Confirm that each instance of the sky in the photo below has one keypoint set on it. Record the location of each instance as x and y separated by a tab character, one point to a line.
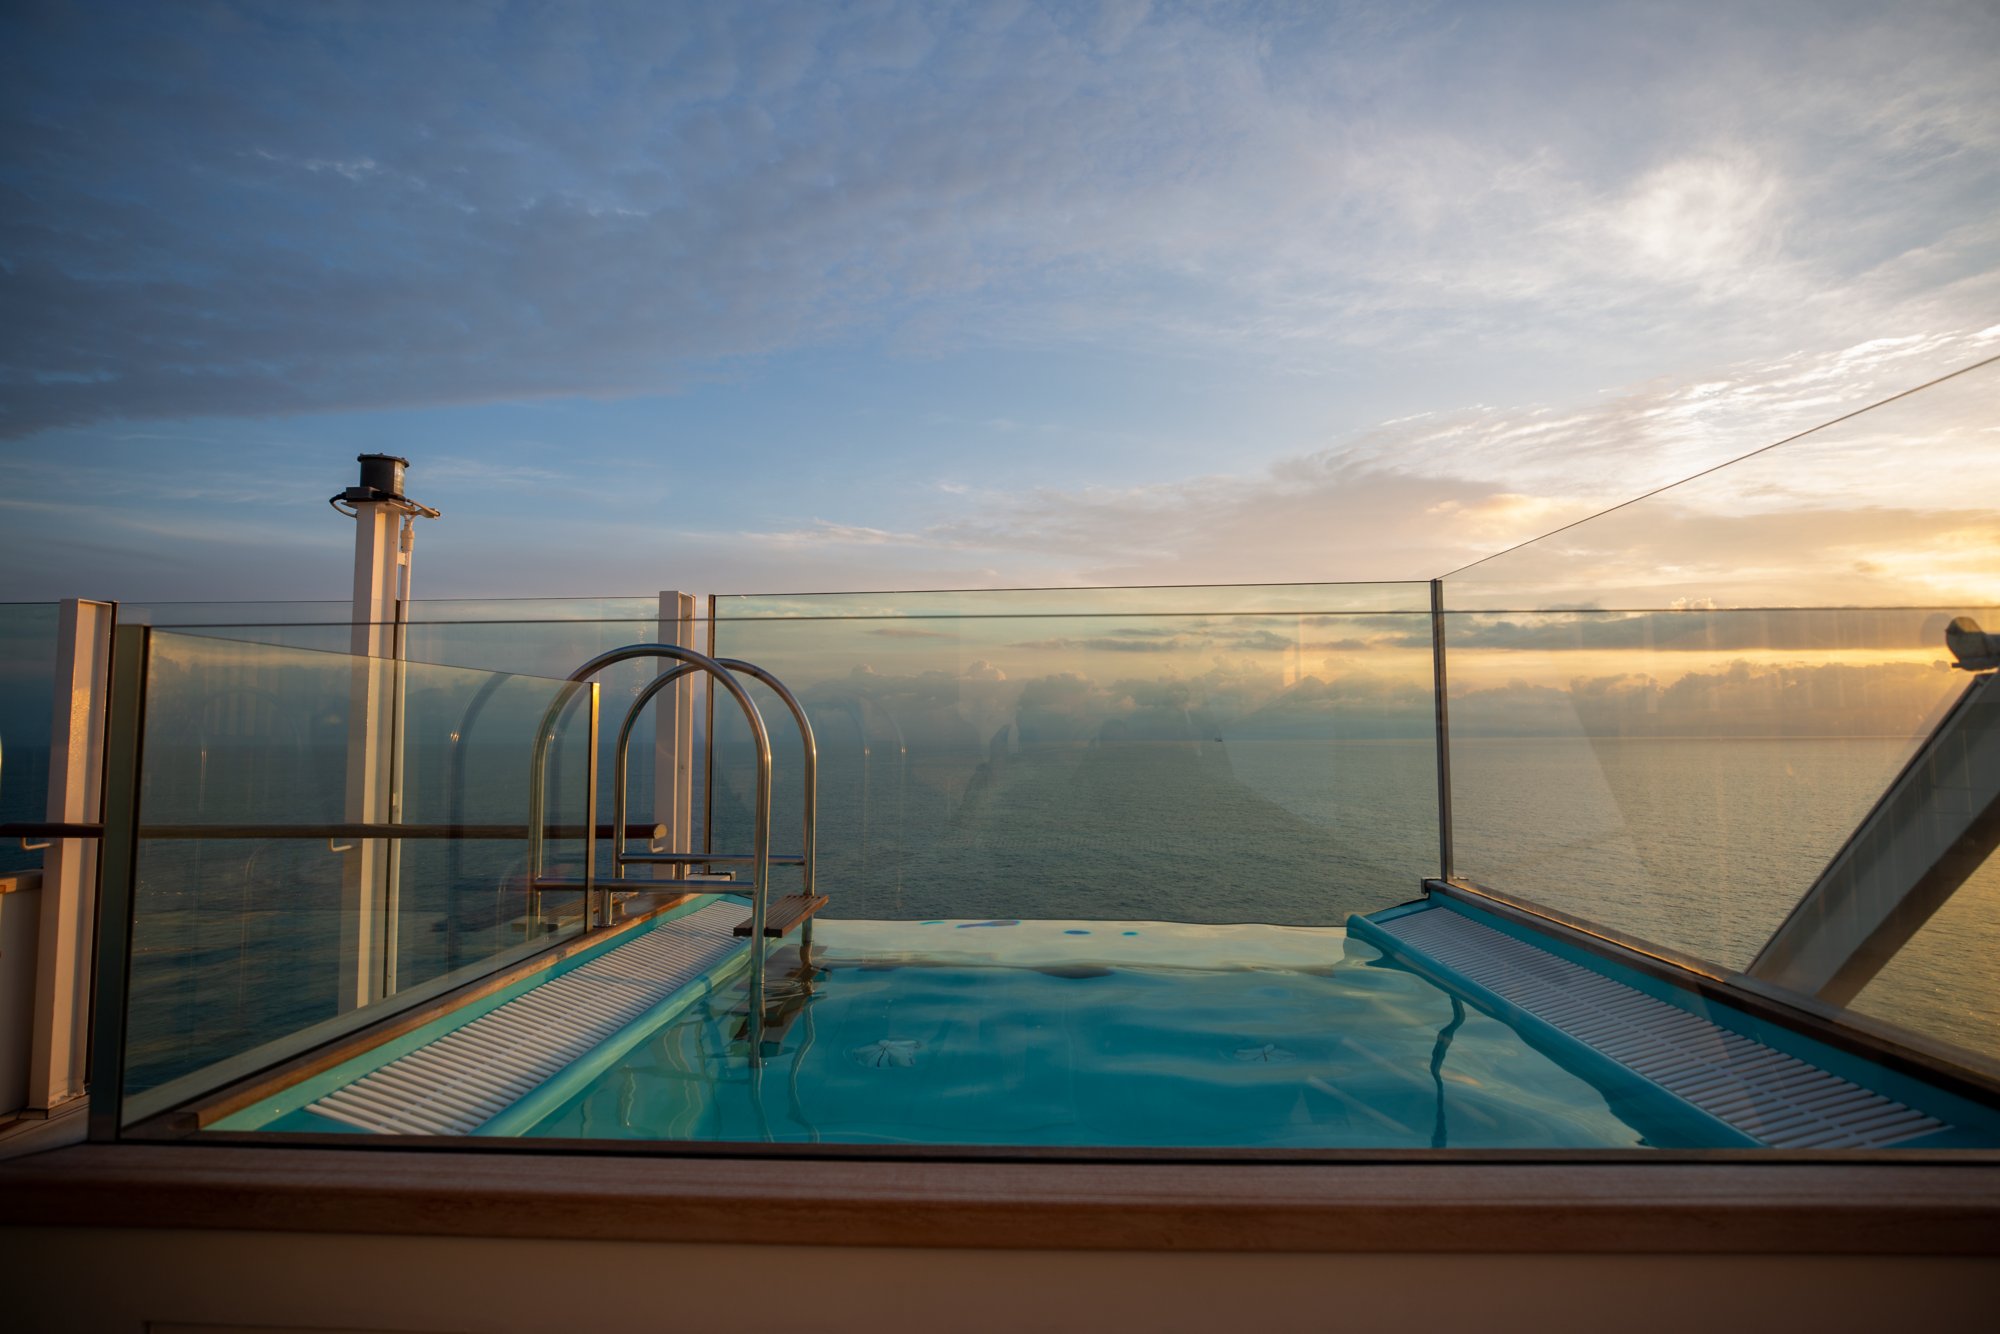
775	297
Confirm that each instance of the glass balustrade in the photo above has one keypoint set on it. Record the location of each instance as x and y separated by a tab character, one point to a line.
263	920
1668	719
1204	754
1666	722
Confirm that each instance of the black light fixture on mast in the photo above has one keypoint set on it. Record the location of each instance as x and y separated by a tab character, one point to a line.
381	483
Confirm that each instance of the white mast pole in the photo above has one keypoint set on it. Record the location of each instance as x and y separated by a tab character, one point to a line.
383	537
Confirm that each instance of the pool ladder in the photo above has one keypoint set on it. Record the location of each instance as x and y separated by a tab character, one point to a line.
767	921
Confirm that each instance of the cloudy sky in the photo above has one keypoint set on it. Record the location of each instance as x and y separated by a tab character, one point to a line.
744	296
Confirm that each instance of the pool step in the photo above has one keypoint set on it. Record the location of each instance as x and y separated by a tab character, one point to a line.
475	1072
784	914
1774	1098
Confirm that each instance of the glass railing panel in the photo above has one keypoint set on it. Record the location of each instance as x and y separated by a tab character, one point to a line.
1210	765
1668	718
548	637
246	943
1888	507
1940	982
27	705
1681	776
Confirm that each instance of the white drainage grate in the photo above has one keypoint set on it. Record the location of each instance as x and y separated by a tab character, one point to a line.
1781	1101
469	1076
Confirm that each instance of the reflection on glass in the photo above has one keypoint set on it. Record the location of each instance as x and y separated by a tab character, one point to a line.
1052	754
27	702
242	940
1680	776
1940	982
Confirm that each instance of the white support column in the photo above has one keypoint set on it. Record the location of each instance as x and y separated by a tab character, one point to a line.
367	905
60	1053
673	744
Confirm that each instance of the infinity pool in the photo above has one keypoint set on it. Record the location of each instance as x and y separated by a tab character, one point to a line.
1096	1034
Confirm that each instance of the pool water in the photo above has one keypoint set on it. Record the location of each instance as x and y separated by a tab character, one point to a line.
1097	1034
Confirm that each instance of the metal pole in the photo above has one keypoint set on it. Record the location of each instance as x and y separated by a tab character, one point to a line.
1438	687
366	896
619	784
118	868
392	853
673	744
708	747
591	913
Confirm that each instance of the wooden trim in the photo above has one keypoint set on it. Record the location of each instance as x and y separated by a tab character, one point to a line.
1541	1207
20	882
234	1097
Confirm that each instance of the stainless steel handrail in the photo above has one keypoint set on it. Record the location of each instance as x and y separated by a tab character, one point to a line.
761	847
809	771
619	754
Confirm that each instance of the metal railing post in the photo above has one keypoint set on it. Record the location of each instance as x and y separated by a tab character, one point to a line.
591	908
1441	699
673	744
708	746
118	874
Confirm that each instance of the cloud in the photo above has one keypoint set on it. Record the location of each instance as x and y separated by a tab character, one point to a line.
1114	644
227	210
1696	631
1860	512
822	533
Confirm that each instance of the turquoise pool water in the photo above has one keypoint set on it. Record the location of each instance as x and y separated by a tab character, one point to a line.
1098	1034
